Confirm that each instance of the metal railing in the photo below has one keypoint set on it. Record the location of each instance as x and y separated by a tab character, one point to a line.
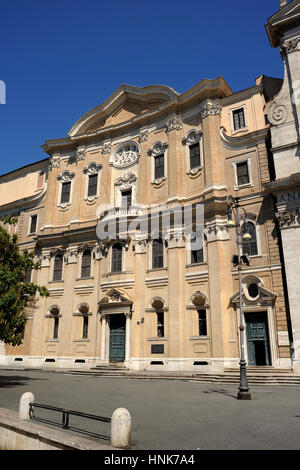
65	418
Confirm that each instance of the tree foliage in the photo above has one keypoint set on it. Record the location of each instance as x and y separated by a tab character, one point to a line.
16	292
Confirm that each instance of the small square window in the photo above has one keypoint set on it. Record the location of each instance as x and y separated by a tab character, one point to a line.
242	173
238	116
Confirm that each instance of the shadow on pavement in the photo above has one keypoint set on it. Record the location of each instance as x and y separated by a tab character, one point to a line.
224	392
14	380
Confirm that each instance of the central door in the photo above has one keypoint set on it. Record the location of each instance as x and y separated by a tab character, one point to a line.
117	338
257	339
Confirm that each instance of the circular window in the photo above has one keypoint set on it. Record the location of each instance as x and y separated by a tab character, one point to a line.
126	155
253	290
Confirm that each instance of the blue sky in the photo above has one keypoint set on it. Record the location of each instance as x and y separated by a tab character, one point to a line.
60	58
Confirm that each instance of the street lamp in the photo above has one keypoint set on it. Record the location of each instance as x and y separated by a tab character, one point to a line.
234	209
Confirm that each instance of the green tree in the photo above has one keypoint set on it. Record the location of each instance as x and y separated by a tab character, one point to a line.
16	293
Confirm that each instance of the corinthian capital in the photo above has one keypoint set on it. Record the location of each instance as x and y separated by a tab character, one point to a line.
174	123
287	218
209	109
289	46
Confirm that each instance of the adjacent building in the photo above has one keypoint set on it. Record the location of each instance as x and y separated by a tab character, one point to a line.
284	114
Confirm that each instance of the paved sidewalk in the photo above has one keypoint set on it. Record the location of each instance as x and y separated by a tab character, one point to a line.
169	414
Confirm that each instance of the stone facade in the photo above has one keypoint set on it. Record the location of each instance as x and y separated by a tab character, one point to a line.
153	306
283	29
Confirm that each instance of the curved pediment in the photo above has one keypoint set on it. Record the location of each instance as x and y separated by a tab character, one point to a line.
124	104
114	296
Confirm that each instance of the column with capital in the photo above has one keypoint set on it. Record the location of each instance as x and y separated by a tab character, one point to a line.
138	325
103	337
128	338
175	163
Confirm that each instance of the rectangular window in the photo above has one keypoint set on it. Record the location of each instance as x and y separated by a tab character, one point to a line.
202	322
127	198
160	324
194	155
159	166
157	254
238	119
65	192
93	185
197	256
85	327
242	173
33	224
116	265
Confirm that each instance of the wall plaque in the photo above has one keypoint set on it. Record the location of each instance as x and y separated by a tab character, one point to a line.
157	348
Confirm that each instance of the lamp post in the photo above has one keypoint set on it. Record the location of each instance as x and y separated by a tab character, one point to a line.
234	208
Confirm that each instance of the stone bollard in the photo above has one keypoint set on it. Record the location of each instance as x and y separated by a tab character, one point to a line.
120	428
26	398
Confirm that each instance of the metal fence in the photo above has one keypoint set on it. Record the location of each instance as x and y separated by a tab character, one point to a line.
65	423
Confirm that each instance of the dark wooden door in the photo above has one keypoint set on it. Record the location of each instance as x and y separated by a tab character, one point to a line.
258	345
117	338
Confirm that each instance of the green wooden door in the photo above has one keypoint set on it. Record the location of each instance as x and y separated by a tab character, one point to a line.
257	339
117	338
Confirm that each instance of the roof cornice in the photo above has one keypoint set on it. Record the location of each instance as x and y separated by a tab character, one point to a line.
283	20
206	89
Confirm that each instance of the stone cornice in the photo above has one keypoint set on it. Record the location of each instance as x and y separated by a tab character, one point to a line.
284	19
24	203
246	140
241	95
291	183
206	89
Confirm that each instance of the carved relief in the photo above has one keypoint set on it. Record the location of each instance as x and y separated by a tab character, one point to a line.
144	135
126	180
80	154
106	147
277	113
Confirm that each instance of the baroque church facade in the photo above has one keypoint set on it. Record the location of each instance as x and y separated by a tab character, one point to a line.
154	303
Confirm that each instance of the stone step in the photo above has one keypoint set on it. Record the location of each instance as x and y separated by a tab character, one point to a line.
252	379
260	370
105	368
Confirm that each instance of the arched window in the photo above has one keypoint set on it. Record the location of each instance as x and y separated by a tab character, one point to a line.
55	314
86	263
157	254
249	246
57	269
157	304
116	258
84	310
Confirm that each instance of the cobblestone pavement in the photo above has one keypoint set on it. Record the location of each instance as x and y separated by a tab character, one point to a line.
168	414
